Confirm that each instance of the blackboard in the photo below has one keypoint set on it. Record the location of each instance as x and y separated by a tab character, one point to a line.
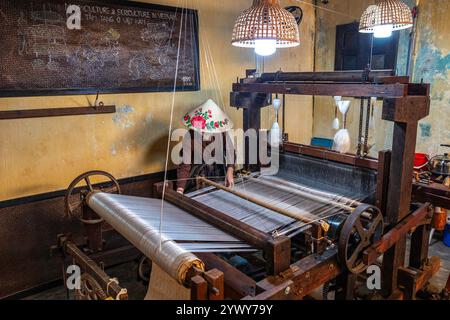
53	47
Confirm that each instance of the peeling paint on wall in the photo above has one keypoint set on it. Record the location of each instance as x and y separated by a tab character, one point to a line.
149	119
432	64
425	130
122	117
113	150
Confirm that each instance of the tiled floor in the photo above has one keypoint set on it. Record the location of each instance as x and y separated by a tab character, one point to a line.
441	250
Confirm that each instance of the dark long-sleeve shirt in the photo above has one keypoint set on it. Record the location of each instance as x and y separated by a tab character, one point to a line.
197	149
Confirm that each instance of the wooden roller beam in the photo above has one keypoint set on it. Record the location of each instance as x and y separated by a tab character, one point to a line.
356	90
335	76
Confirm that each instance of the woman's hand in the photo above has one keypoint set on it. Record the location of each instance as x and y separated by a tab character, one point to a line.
229	178
180	190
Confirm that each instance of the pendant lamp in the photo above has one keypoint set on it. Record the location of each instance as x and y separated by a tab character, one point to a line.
266	26
385	17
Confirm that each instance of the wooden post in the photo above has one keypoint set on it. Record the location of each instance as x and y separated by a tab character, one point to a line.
215	278
199	288
345	286
279	257
419	246
252	120
384	163
252	103
405	113
237	284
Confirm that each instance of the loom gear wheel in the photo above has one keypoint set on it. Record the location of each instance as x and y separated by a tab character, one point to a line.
76	195
358	233
144	269
89	289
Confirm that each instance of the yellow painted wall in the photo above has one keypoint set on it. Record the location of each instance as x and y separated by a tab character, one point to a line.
431	62
42	155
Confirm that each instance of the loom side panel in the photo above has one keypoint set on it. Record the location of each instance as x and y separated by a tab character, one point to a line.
29	227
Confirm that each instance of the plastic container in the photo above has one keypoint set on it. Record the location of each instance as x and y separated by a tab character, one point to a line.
447	235
439	219
447	231
420	161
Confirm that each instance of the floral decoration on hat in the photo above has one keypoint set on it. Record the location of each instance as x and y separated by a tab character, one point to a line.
208	118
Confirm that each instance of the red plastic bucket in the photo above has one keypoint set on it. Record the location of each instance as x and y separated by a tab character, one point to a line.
420	160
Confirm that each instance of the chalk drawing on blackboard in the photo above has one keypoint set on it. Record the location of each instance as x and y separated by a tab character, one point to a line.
42	55
47	17
38	64
49	41
94	51
153	63
22	34
136	67
45	38
156	33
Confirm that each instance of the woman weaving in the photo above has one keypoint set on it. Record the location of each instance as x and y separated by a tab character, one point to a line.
207	147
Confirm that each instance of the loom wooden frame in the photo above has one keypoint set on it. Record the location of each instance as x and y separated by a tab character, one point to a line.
394	186
404	104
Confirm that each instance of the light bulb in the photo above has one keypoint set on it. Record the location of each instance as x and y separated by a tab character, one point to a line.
384	31
265	47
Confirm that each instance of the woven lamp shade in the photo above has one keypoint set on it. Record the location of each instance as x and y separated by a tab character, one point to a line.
386	12
266	19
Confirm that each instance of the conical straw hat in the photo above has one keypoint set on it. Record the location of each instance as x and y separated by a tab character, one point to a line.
208	118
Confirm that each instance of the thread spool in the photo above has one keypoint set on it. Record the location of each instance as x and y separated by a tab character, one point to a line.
275	135
342	141
275	132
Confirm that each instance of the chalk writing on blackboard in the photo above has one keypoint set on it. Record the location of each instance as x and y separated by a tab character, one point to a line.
54	47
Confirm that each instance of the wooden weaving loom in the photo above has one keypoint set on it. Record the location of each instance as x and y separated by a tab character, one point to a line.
298	253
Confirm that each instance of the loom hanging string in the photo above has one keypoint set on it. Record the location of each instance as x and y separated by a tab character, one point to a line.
372	111
210	66
336	124
213	78
360	127
166	165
